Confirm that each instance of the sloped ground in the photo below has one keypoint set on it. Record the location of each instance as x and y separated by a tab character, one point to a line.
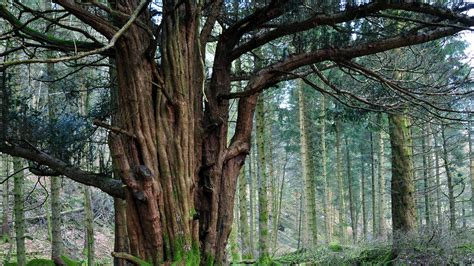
433	247
39	247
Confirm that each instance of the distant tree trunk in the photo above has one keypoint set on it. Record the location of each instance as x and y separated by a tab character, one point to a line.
56	206
56	209
252	197
121	240
273	188
451	199
402	186
324	175
426	177
5	193
300	221
363	191
351	194
372	164
340	182
18	182
244	221
263	248
234	246
280	200
431	175
471	160
89	214
381	181
438	177
89	222
307	168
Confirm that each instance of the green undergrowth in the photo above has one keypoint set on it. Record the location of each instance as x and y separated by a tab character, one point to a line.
426	246
337	254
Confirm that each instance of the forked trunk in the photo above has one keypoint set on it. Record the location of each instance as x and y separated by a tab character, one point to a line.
169	152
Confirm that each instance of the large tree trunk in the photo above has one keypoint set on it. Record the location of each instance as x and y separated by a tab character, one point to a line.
308	173
403	188
179	174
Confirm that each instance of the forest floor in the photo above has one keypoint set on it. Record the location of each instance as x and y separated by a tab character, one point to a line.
39	247
421	248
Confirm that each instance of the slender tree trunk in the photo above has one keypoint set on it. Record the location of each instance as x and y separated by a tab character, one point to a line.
431	175
280	200
438	179
402	184
324	175
300	221
89	214
351	193
426	185
372	164
263	248
89	222
5	193
233	245
56	209
340	182
252	196
55	181
308	174
18	182
451	199
381	177
121	240
471	160
363	192
244	221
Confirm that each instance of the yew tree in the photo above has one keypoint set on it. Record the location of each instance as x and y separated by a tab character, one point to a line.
169	137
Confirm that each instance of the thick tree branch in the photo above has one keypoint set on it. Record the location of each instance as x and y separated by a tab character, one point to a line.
348	15
269	74
209	24
97	23
103	49
105	183
65	45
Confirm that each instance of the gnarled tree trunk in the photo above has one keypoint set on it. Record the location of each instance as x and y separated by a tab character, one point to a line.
173	156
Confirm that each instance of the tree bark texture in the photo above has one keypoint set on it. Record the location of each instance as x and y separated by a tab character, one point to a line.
263	230
381	178
307	168
449	176
19	211
326	199
402	184
5	229
340	183
247	253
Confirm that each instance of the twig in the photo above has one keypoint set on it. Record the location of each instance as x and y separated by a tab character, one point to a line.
99	123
